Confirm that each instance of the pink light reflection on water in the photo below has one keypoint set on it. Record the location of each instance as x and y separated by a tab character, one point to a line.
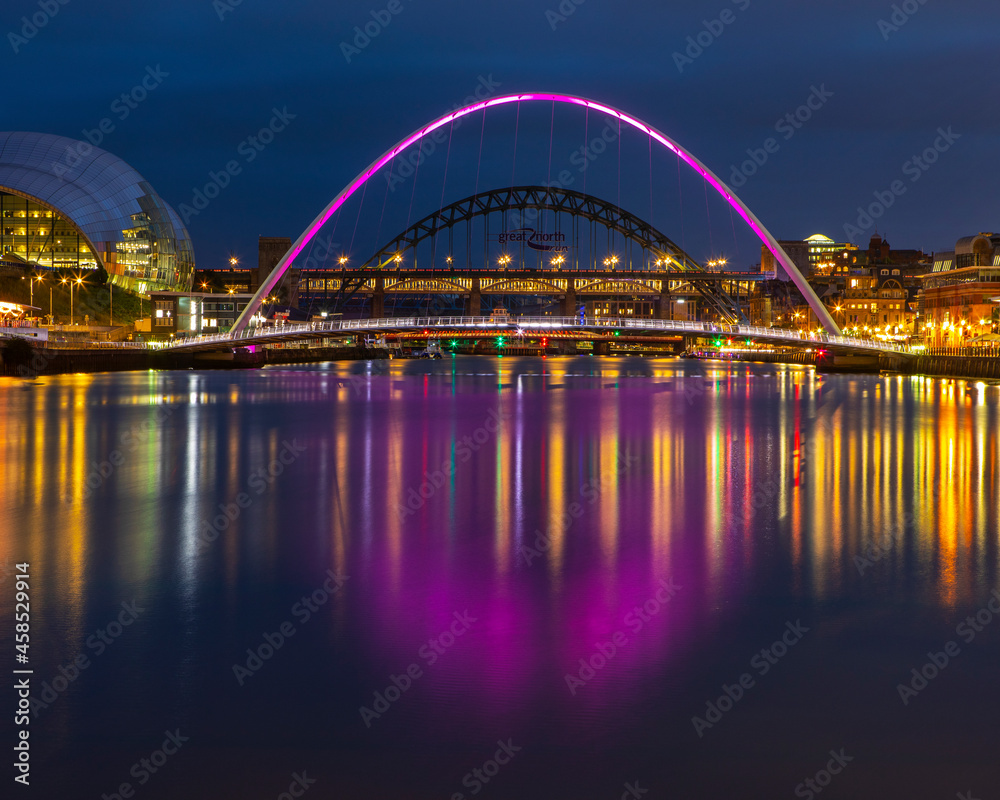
537	620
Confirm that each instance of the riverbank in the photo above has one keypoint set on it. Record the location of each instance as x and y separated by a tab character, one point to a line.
22	360
931	366
970	367
96	303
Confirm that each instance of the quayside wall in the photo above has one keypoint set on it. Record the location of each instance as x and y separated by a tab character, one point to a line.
22	359
27	361
935	366
983	367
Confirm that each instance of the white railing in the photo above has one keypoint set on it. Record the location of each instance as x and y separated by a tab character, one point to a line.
529	324
82	344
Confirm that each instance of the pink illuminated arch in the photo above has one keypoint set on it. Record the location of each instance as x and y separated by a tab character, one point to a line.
762	233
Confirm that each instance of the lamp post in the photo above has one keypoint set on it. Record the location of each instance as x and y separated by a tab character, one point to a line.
77	281
64	281
111	304
52	319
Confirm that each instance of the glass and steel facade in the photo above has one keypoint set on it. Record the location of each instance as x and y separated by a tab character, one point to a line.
75	205
33	234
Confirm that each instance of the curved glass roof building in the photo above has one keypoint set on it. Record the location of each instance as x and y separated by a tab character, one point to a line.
65	203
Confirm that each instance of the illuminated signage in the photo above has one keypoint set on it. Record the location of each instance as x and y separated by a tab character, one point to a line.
545	242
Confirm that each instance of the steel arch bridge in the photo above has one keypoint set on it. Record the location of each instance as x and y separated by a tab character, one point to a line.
664	268
540	198
272	280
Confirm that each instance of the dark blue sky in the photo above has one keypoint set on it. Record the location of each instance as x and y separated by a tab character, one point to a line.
891	92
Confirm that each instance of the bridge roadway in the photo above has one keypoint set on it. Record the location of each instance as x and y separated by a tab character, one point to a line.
523	326
542	274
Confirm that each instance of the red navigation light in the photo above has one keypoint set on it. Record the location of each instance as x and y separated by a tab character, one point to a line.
545	341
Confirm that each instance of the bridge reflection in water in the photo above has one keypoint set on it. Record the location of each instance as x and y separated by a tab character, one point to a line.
753	488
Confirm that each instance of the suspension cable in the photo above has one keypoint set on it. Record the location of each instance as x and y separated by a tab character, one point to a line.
517	125
444	183
385	201
479	163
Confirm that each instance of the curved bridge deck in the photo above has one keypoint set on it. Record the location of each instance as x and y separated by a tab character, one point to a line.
526	326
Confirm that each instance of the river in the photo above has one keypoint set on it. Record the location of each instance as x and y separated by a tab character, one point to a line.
507	578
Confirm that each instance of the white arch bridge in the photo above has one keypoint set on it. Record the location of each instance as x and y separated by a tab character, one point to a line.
599	328
656	138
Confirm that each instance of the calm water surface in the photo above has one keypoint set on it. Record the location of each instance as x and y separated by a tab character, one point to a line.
446	541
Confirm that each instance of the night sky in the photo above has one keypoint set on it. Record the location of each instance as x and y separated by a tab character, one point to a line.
893	86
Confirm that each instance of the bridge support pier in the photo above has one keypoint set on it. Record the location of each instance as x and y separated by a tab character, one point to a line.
569	301
602	348
663	304
474	302
378	298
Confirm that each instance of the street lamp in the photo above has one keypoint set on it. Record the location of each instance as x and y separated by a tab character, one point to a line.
66	280
31	289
